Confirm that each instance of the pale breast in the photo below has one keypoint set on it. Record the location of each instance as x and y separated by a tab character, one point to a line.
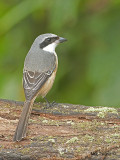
48	84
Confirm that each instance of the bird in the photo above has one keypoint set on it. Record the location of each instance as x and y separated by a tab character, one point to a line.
39	72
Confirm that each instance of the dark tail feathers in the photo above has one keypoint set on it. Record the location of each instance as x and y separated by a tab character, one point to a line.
23	121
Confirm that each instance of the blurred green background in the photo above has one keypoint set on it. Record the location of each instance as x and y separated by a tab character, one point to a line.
89	62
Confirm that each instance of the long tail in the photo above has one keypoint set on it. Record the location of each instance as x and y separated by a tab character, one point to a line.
23	121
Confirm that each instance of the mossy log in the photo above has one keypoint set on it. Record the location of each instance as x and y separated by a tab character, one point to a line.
63	131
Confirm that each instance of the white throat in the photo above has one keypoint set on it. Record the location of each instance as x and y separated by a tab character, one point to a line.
50	48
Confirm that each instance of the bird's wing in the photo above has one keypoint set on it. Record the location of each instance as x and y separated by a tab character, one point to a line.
33	81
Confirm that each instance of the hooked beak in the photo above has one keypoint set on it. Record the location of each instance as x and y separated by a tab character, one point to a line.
61	39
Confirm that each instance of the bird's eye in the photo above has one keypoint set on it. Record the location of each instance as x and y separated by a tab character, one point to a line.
48	39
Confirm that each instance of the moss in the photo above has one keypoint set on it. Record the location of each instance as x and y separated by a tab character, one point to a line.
65	106
116	135
51	140
108	140
25	150
72	140
90	138
78	149
61	150
70	122
1	147
32	121
45	121
115	126
101	111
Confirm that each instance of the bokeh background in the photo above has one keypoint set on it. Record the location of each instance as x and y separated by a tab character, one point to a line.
89	63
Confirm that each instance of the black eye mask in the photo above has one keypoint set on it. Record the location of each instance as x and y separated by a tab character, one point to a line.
48	41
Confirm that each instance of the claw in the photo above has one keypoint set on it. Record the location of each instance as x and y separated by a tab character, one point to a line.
49	104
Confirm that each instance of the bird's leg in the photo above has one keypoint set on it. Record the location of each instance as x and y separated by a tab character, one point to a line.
49	104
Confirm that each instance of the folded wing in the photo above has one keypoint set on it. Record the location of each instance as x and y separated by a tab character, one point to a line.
33	81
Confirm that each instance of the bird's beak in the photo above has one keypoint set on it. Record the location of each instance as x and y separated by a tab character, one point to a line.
61	39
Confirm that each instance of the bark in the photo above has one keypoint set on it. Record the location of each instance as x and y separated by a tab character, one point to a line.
63	131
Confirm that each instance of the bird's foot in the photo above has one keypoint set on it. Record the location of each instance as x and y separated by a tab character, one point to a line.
49	105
